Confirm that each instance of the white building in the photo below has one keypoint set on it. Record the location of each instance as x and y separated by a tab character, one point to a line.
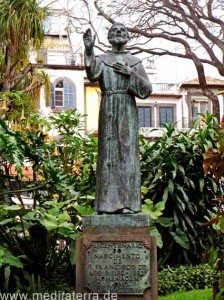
62	59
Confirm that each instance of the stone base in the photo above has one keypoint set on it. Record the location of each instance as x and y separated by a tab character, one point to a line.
117	255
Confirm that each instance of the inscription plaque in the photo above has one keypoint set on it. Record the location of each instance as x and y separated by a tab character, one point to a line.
119	267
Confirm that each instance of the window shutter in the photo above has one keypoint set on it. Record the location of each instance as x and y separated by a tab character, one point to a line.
144	116
52	95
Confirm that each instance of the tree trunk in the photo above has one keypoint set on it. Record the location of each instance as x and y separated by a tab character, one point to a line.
215	101
6	74
6	83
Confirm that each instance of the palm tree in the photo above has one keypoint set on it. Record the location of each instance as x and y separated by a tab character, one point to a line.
20	29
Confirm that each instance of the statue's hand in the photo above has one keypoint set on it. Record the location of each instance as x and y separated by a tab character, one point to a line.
122	69
89	41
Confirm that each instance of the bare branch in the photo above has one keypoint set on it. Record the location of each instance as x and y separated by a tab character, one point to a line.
187	29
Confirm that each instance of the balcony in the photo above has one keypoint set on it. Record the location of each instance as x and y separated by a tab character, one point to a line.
165	88
62	57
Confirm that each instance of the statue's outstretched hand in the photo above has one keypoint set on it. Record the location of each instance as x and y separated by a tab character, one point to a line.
89	41
122	69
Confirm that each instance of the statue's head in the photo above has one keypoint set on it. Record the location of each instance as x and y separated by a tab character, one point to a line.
118	34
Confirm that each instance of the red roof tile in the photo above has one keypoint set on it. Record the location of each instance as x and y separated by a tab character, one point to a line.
26	171
210	81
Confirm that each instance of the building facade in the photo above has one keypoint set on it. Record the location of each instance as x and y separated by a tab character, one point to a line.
61	57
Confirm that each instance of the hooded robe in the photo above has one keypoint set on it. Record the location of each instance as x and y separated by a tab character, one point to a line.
118	182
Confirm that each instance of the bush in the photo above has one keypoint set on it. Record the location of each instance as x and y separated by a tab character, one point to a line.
185	278
37	245
177	195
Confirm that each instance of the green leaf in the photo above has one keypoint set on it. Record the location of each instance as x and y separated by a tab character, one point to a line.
3	124
6	221
144	190
213	254
182	146
169	141
49	225
12	207
154	232
214	184
7	273
85	170
181	238
49	217
181	203
66	230
180	188
154	211
72	253
171	186
201	183
190	182
157	176
64	217
51	203
152	186
160	206
88	197
12	260
181	168
53	213
221	222
165	221
84	210
30	216
2	254
165	194
174	172
60	205
75	235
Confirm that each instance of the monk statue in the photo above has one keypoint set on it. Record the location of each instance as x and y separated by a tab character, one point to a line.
121	77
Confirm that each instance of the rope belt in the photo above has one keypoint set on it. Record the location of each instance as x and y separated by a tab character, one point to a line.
114	92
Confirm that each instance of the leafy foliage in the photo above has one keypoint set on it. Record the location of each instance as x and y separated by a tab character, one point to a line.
21	24
21	28
185	278
214	164
172	176
27	17
40	240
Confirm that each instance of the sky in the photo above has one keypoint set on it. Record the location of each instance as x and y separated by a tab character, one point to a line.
176	70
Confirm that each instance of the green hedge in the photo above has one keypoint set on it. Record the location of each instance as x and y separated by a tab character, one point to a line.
185	278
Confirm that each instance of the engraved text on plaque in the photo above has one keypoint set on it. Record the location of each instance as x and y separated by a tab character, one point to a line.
119	267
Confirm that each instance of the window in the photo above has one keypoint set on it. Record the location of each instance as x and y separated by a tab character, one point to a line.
59	94
198	106
166	115
144	116
63	93
47	24
150	63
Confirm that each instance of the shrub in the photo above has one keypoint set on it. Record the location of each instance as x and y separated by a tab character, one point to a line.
177	195
37	246
185	278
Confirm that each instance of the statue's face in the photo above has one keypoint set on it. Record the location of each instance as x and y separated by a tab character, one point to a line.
118	34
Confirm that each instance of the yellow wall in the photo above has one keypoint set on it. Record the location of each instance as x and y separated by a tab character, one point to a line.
92	104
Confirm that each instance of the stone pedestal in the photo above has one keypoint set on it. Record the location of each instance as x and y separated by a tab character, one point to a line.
117	255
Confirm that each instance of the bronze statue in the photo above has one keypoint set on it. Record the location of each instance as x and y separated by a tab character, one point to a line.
121	77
